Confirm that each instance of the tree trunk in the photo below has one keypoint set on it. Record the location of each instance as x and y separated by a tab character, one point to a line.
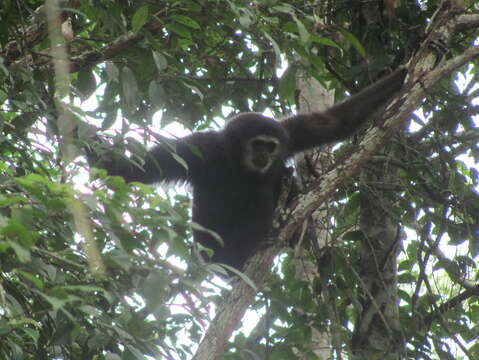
313	97
377	329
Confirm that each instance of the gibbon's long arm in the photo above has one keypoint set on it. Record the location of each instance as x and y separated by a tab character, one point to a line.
341	120
175	160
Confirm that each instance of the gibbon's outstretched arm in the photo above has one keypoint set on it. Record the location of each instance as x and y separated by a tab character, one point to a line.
174	160
341	120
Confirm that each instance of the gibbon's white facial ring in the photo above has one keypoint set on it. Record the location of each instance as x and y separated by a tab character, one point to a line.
261	152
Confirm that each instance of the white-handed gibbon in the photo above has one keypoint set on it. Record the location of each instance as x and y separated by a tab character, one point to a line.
236	172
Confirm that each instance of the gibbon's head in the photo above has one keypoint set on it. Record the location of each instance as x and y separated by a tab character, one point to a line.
258	142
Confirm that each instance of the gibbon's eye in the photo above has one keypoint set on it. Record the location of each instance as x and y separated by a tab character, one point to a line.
264	146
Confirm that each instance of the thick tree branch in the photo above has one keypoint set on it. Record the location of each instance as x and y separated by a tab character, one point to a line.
88	58
467	22
451	303
109	51
32	34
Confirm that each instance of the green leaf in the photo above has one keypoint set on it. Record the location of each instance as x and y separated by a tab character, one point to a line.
474	350
31	179
283	8
112	356
139	18
277	50
112	71
180	160
406	278
134	353
185	20
86	83
22	253
179	30
7	201
53	301
185	44
353	40
5	328
18	232
3	96
160	61
195	89
157	94
287	83
110	119
130	87
34	280
33	334
352	206
303	33
90	310
324	41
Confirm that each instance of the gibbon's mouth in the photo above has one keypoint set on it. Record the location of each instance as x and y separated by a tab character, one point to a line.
262	161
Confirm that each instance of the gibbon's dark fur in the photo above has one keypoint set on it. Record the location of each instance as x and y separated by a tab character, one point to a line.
236	172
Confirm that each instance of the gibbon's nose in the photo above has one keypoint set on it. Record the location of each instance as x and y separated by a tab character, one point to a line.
261	160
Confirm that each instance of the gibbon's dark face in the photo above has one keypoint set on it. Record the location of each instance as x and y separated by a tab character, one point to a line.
261	152
262	142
